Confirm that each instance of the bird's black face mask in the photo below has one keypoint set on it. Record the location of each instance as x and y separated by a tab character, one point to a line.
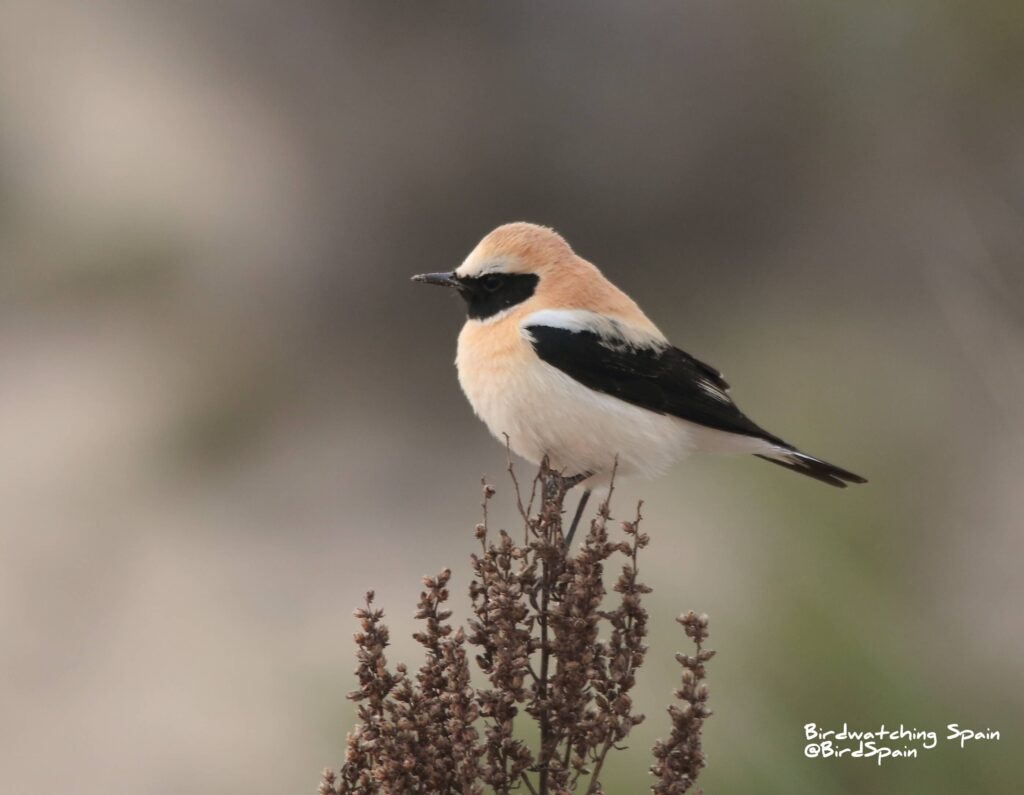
486	295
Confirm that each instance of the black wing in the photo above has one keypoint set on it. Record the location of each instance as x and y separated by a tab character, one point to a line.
661	379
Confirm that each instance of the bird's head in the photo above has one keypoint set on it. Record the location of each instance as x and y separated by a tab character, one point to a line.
511	265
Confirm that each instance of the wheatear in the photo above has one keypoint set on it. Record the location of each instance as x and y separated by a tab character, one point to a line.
568	366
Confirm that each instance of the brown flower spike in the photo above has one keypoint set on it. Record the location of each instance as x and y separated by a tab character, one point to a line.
552	657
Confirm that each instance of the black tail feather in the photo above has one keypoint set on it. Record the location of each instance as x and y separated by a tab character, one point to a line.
813	468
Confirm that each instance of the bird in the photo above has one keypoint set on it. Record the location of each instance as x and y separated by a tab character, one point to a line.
562	365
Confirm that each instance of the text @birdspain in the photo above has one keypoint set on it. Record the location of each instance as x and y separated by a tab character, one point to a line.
885	743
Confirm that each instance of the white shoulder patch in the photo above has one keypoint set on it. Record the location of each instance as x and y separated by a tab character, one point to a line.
613	332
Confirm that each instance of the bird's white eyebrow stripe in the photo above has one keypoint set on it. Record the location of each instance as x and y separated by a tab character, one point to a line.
478	269
612	331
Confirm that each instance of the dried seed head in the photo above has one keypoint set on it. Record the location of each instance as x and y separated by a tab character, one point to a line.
548	651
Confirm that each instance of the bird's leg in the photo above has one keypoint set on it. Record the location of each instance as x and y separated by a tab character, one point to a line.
579	513
568	483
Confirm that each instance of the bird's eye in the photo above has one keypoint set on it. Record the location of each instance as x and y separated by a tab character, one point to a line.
491	283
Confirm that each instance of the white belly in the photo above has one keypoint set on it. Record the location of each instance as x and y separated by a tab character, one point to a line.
545	412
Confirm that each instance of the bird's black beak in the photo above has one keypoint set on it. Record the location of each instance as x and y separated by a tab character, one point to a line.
440	279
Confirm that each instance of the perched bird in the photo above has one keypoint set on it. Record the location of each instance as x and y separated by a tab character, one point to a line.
567	365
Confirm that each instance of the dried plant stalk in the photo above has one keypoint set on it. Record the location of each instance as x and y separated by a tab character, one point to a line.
538	617
679	761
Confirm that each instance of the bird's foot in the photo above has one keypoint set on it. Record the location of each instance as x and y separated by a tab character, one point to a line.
575	480
556	485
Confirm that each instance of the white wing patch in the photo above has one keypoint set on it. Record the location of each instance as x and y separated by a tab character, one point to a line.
614	333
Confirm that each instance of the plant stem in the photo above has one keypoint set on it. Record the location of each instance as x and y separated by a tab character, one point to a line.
545	658
528	783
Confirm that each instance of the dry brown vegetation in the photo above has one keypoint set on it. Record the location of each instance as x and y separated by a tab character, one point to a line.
555	652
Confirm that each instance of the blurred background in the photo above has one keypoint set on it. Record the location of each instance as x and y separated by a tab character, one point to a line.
226	412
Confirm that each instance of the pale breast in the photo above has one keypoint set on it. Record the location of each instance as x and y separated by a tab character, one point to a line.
491	361
545	412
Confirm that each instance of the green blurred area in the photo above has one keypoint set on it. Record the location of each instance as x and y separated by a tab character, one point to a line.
227	413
